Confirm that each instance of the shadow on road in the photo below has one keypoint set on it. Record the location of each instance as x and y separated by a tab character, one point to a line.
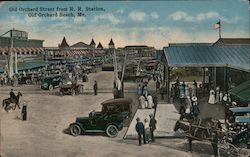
67	131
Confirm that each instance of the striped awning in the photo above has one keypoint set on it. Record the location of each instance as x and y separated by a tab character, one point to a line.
21	50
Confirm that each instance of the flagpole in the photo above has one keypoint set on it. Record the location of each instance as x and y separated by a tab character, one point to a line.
219	29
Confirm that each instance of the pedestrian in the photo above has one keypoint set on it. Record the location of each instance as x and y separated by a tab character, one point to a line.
24	111
158	86
2	81
140	131
215	142
142	101
162	92
150	101
139	90
152	126
145	91
195	109
147	130
95	88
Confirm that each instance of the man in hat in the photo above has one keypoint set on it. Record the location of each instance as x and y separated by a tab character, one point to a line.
152	126
24	111
140	131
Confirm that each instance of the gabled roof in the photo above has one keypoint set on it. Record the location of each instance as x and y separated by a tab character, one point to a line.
92	42
233	56
64	43
100	45
232	41
80	44
111	42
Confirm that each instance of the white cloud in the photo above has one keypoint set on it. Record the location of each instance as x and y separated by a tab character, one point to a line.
181	15
120	11
137	16
110	17
154	15
79	20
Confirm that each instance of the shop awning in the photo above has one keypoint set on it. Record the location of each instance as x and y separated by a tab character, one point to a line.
242	91
31	65
233	56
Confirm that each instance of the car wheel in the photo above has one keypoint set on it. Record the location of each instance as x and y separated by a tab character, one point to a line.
50	87
75	130
28	81
112	131
73	92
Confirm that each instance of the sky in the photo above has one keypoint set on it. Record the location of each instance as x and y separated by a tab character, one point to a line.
152	23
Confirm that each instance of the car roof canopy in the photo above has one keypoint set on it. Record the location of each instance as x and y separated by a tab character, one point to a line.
118	101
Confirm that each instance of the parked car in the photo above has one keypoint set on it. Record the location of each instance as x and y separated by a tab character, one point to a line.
71	89
52	81
109	120
27	79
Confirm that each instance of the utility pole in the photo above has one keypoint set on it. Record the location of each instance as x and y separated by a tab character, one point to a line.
11	55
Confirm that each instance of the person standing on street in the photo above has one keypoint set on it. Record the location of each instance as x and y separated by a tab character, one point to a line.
215	142
24	112
140	131
152	126
95	88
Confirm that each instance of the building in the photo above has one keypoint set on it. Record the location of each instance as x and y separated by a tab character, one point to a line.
139	51
19	46
225	62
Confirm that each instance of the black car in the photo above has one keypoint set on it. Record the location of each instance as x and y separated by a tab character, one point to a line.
52	81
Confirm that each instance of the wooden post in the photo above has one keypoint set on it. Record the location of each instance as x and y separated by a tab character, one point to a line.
203	81
214	78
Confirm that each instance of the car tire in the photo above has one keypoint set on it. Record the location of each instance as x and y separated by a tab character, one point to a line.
112	131
75	130
73	92
51	87
28	81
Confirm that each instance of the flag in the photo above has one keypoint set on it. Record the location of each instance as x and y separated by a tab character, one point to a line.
217	25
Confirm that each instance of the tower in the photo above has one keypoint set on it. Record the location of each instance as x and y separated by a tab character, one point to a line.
111	44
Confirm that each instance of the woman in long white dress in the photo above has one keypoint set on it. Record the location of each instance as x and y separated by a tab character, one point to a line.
142	102
150	101
211	99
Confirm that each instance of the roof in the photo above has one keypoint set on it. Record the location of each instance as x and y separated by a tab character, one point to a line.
99	45
80	44
190	44
233	56
242	91
232	41
118	101
64	43
92	42
111	42
6	50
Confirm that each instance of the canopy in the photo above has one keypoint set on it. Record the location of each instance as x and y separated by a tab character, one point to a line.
233	56
242	91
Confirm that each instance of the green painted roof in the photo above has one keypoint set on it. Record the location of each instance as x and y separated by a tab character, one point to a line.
233	56
242	91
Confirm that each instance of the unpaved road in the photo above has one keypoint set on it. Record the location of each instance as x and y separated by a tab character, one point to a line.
42	135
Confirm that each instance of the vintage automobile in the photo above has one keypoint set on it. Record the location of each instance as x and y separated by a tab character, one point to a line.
27	79
109	120
71	89
51	81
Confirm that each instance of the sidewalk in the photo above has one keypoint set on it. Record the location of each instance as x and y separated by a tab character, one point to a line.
166	116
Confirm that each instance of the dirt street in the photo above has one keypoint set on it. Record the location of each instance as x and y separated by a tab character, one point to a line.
49	115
